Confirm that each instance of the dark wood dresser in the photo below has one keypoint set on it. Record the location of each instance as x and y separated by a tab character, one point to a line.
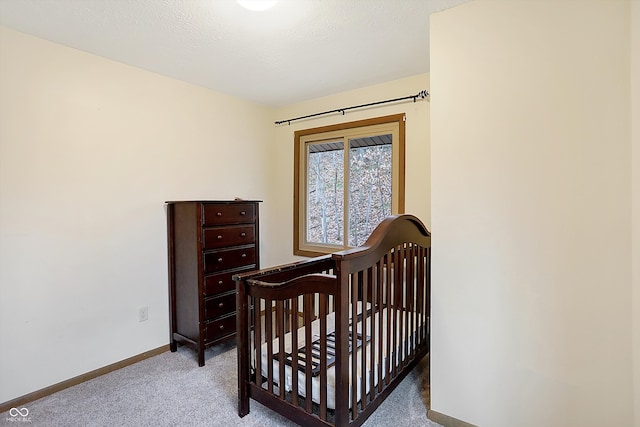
208	242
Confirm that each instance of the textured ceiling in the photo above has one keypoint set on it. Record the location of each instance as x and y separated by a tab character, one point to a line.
296	51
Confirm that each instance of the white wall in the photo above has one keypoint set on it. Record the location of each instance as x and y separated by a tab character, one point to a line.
635	141
89	151
531	213
417	188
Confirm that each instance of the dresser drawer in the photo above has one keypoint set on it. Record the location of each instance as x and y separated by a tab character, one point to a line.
219	306
220	237
221	282
228	259
219	328
218	214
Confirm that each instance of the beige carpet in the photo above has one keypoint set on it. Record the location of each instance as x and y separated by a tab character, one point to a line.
171	390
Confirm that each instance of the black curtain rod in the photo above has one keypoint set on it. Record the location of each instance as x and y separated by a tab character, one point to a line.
422	94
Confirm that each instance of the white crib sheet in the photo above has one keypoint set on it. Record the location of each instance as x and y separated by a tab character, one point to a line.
315	326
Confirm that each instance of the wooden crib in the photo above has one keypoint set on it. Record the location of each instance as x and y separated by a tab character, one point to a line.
324	341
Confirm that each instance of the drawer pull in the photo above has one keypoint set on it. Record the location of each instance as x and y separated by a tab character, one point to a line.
243	213
219	259
219	236
243	234
244	255
219	214
221	305
221	327
219	282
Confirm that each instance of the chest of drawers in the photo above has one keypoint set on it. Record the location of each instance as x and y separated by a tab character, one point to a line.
208	242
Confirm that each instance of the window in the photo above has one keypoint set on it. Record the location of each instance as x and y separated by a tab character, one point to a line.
347	178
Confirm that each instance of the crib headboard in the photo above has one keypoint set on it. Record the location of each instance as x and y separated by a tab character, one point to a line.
391	269
390	233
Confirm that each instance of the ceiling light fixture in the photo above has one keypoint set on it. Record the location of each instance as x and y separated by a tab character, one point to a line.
257	5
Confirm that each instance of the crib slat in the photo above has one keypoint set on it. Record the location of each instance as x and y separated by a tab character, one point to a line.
323	357
424	280
381	306
257	339
354	336
417	340
395	345
411	283
294	351
420	317
280	332
404	332
363	278
268	335
408	306
308	318
401	312
420	296
372	347
389	353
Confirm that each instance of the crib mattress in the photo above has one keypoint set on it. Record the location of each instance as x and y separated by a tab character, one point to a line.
363	344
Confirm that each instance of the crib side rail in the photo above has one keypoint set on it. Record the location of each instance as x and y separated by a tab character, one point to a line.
283	273
272	305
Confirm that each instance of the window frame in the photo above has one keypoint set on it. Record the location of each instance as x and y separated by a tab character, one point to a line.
300	246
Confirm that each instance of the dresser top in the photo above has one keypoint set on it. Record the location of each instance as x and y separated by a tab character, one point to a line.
173	202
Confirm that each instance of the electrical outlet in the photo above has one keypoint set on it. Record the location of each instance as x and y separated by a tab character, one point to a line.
143	314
